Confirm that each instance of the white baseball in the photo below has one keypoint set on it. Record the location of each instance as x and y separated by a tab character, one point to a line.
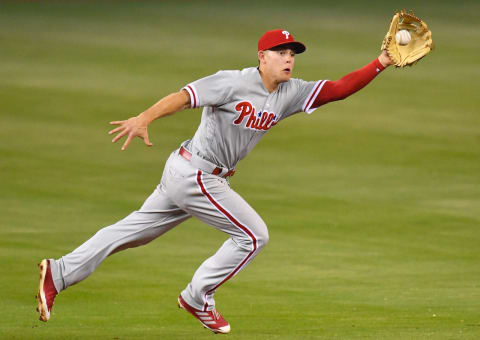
403	37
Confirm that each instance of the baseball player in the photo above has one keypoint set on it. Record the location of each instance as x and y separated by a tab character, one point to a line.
239	107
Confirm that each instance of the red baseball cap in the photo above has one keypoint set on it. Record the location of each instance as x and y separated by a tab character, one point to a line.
280	37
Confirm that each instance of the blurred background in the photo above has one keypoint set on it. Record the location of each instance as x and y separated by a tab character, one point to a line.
373	203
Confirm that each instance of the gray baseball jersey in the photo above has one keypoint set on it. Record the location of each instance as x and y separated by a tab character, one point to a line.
238	111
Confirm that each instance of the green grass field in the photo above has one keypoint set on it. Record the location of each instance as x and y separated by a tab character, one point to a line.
373	203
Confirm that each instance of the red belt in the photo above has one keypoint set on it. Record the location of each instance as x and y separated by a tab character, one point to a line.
217	171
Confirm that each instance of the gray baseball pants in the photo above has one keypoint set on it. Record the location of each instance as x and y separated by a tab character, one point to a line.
186	189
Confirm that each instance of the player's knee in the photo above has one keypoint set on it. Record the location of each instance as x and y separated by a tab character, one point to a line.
261	235
256	238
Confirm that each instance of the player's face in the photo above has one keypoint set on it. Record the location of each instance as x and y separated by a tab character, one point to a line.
279	64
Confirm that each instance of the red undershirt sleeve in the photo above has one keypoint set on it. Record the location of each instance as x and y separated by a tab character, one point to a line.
348	85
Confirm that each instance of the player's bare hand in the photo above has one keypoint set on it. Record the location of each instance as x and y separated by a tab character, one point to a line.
133	127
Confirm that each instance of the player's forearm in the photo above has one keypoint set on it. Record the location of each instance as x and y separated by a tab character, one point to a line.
168	105
349	84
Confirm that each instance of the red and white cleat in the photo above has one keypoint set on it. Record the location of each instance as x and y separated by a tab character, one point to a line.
46	291
211	320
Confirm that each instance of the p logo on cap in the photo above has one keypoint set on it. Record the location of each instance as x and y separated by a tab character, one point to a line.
279	37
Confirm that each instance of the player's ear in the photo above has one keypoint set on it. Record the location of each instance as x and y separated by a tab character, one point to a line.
261	56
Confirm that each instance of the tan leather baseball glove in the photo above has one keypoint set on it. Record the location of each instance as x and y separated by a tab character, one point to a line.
420	45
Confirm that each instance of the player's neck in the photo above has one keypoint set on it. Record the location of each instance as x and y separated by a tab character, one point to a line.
269	82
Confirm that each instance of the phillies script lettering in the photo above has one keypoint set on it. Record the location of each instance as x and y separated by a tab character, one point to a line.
256	121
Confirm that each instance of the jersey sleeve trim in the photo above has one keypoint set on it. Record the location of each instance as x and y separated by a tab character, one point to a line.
193	95
307	105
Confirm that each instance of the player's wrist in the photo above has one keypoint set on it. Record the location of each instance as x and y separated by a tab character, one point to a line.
144	119
384	60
